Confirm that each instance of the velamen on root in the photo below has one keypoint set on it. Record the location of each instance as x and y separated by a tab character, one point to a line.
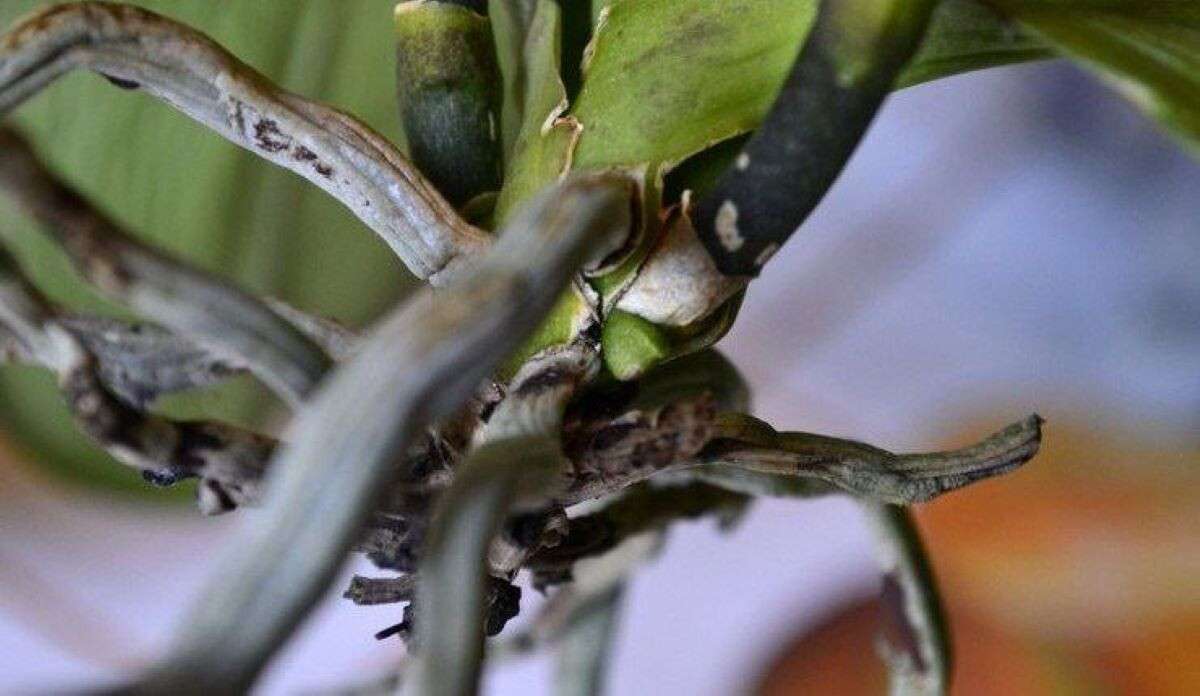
589	207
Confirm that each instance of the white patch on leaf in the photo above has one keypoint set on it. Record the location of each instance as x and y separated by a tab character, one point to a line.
727	230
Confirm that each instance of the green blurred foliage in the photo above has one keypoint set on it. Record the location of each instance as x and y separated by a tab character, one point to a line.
1148	49
188	191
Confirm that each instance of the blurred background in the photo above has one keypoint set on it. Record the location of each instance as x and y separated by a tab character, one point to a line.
1004	242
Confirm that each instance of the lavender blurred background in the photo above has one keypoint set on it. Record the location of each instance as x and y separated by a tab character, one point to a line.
1009	241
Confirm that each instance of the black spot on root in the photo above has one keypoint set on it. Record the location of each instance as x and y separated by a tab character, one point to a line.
122	83
268	136
162	479
303	154
239	117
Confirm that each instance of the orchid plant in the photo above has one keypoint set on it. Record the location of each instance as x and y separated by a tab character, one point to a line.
589	188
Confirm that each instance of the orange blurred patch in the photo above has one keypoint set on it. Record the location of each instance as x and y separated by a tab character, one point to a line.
1077	574
838	657
1095	534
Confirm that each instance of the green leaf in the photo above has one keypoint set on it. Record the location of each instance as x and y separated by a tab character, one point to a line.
663	80
545	141
196	195
666	79
964	35
1148	49
568	318
632	345
511	20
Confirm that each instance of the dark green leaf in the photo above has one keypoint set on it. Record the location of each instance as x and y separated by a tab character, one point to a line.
965	35
1148	49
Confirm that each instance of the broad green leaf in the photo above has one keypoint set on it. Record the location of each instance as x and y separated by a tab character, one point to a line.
1149	49
194	194
663	80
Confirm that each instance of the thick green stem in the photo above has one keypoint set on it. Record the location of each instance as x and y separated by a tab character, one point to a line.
448	87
